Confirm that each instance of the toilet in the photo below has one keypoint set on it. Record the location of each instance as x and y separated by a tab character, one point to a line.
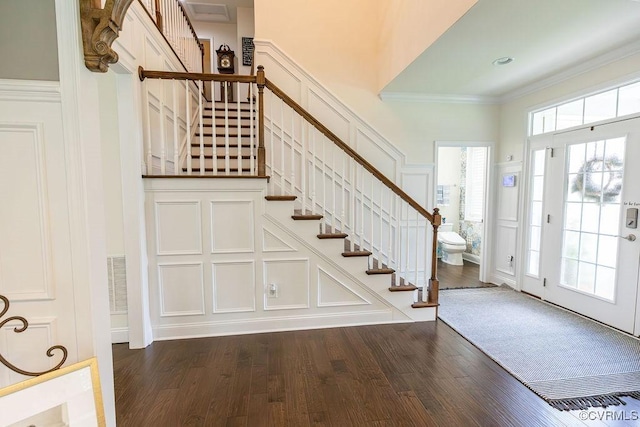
451	244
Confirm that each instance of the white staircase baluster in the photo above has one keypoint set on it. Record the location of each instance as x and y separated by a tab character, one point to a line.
239	159
398	241
226	131
375	255
201	120
324	181
408	244
163	130
314	173
352	201
417	246
176	160
361	185
293	155
426	258
282	172
382	224
343	218
272	148
333	189
303	163
149	151
188	116
252	162
391	260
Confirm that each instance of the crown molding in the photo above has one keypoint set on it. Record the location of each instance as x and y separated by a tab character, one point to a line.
439	98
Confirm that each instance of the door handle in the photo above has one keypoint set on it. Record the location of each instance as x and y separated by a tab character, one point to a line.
630	237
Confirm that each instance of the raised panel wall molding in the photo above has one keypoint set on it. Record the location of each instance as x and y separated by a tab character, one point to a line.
234	287
333	293
181	289
26	259
228	239
180	233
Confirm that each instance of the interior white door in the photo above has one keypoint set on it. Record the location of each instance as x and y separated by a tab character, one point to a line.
590	255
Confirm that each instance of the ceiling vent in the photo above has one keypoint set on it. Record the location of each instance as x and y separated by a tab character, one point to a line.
208	12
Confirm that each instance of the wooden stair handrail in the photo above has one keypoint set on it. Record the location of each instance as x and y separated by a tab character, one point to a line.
171	75
351	152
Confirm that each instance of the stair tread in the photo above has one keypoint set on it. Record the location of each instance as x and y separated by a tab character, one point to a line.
222	157
303	217
332	235
355	253
280	198
402	288
381	271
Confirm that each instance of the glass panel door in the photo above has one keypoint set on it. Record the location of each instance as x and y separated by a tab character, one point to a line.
532	281
589	264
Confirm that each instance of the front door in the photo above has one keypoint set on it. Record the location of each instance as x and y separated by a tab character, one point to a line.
589	254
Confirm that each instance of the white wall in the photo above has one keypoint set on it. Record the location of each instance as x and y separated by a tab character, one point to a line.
219	34
449	174
408	28
28	42
245	28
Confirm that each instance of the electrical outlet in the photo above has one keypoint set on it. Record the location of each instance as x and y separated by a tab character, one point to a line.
272	291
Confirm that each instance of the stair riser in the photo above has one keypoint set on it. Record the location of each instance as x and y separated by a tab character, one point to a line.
220	151
220	163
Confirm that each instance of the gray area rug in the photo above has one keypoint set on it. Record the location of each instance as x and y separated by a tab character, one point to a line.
569	361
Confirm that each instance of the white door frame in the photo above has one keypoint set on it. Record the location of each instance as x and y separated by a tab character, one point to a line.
487	227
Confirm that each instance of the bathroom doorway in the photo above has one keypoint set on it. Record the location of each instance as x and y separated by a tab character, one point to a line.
462	194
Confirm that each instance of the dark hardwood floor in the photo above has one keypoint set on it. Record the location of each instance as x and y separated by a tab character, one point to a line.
456	276
420	374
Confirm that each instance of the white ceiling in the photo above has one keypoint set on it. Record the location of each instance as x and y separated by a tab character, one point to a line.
224	11
545	37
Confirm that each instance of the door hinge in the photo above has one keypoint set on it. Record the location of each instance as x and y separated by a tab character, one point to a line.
551	152
544	282
548	219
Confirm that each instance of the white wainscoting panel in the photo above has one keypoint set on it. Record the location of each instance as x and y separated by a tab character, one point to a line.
232	228
334	293
181	289
506	253
28	350
272	243
508	197
178	227
291	276
234	287
24	228
506	238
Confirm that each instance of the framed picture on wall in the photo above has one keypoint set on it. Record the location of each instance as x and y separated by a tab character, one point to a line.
247	51
69	396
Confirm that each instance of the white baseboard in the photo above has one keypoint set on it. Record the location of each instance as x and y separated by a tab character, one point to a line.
274	324
497	279
119	335
471	258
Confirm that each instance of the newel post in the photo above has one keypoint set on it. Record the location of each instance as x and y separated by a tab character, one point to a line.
433	282
261	81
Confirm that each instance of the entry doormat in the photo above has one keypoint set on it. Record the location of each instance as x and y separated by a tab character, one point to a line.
569	361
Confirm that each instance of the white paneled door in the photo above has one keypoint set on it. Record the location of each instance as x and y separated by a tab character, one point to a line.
582	251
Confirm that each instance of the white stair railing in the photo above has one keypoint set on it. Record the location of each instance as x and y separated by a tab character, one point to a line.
329	178
305	159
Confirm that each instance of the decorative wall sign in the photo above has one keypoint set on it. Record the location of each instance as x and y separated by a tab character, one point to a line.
247	51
